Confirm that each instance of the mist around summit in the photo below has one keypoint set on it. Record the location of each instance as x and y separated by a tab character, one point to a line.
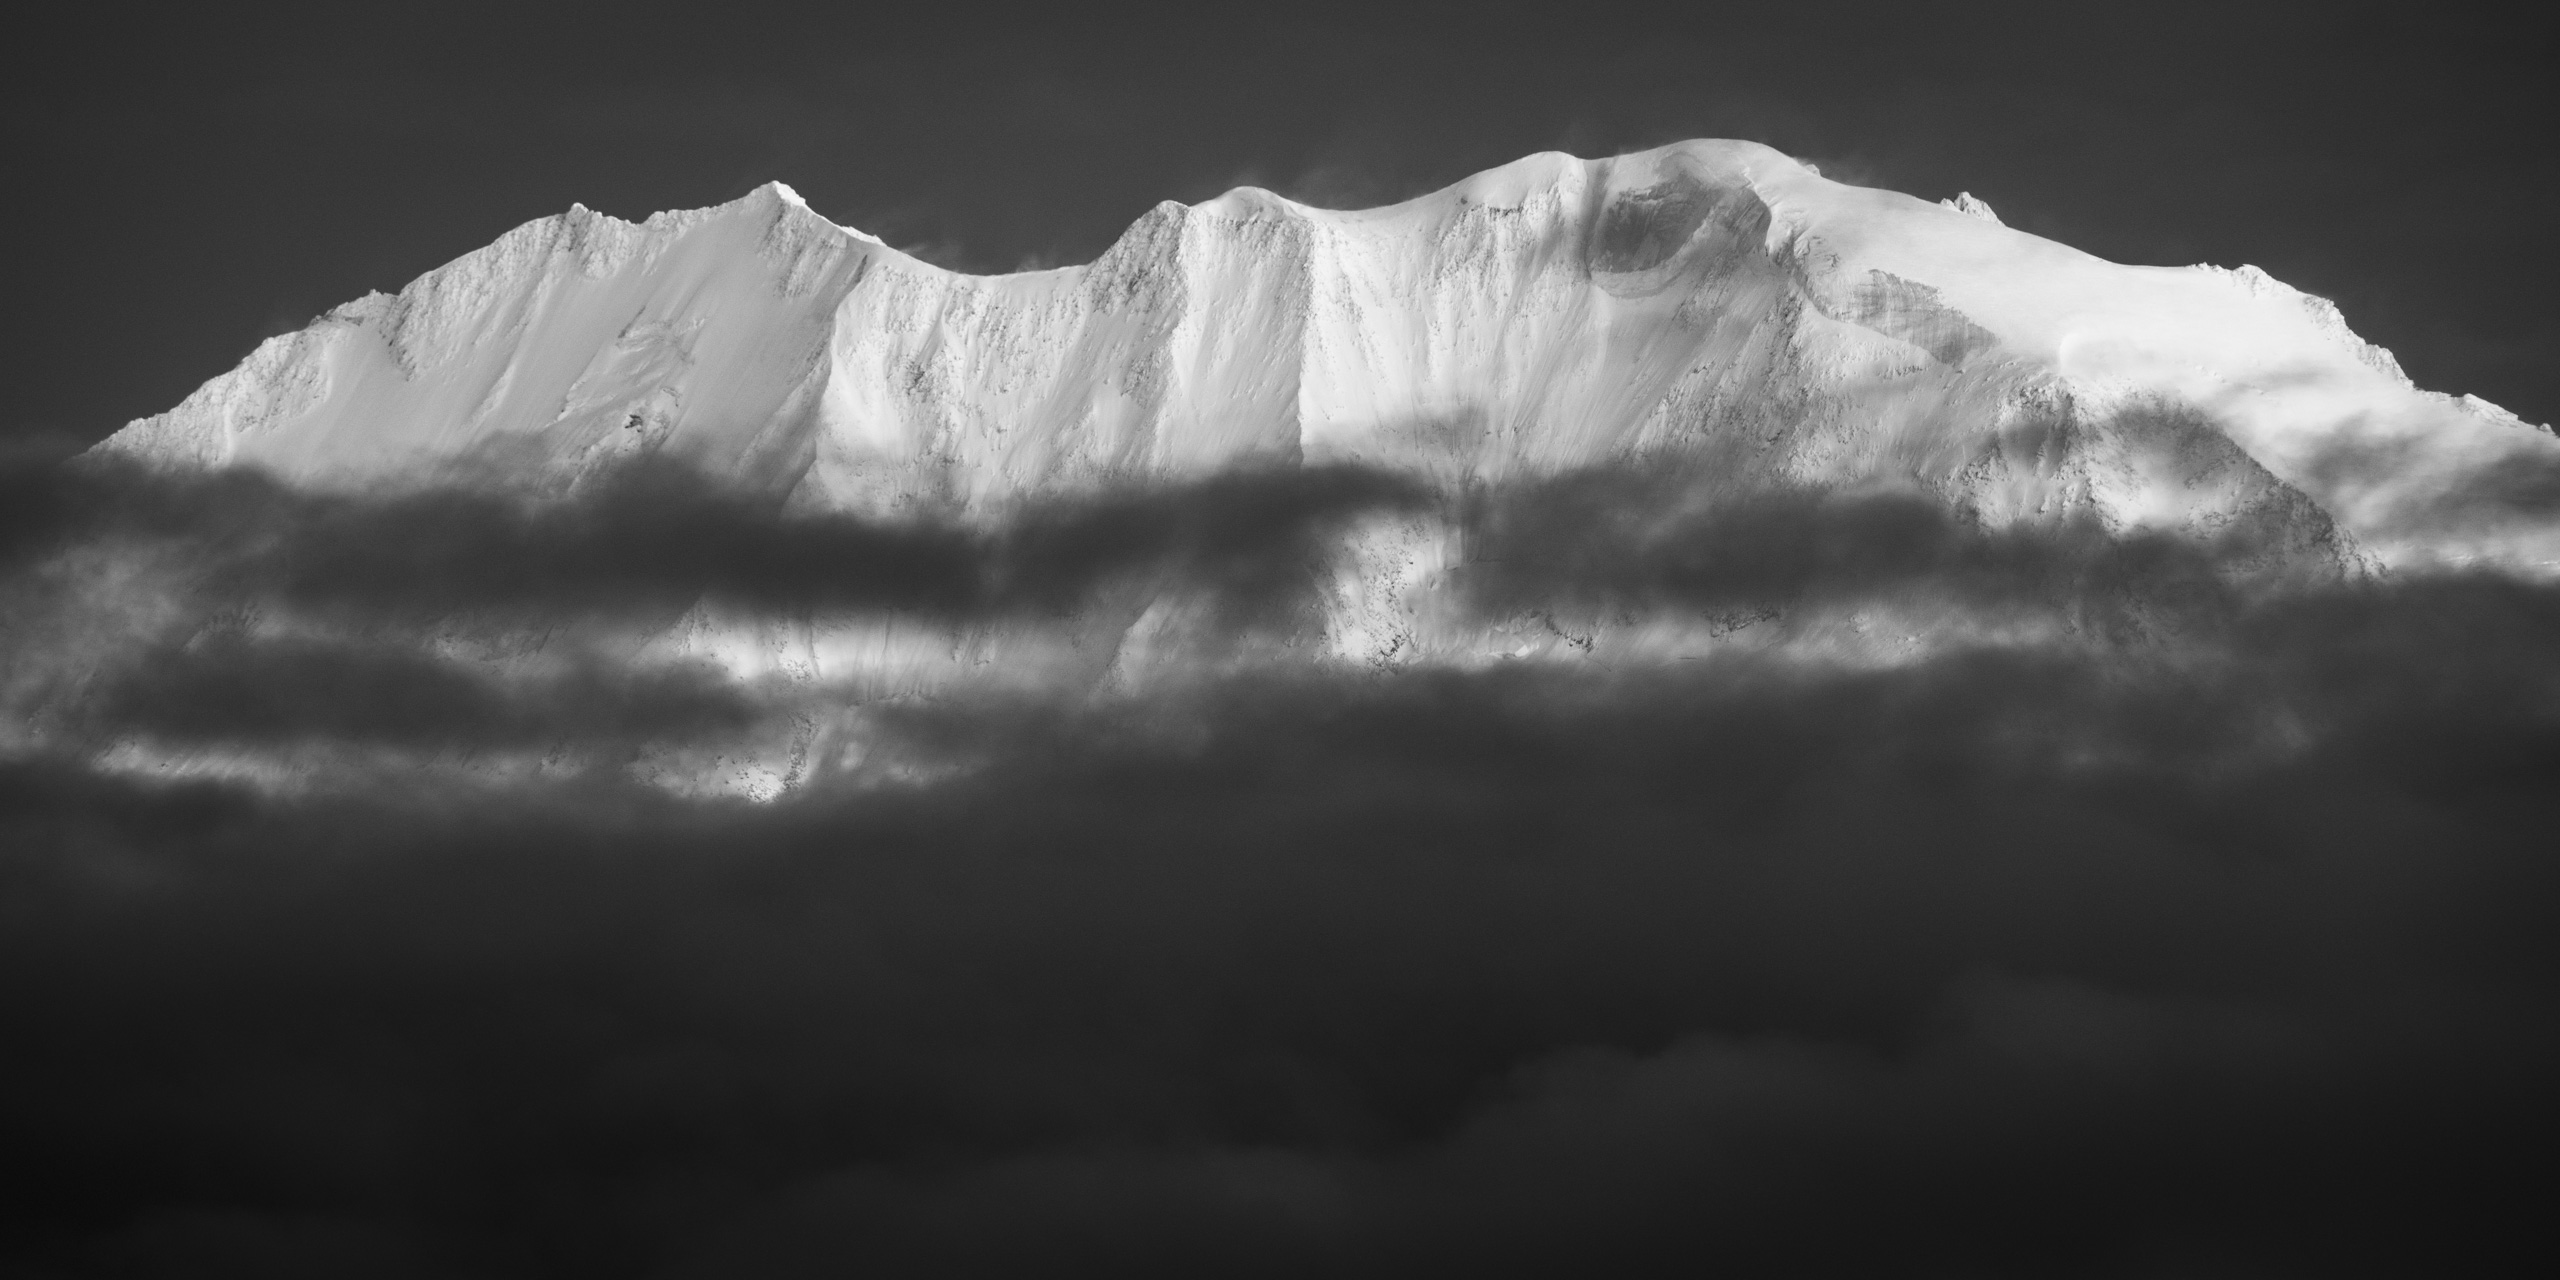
1902	795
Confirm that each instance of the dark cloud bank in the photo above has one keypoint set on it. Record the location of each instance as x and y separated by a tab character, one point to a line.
2212	939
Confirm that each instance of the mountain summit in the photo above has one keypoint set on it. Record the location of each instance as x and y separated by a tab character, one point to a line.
1707	297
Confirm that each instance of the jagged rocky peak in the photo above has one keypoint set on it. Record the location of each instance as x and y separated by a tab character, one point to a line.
1708	298
1973	206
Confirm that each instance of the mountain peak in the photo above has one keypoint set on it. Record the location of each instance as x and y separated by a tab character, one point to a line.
1550	313
1971	205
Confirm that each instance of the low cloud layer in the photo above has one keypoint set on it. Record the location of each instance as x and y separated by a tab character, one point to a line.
2223	948
229	690
654	537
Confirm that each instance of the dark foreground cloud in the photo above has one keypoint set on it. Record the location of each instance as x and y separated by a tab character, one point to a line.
195	609
2227	956
228	689
2001	964
1645	541
655	537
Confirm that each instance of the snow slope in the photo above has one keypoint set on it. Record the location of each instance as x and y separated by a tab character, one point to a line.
1550	313
1710	304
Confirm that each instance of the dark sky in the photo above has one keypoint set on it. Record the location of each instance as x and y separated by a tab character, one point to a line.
187	183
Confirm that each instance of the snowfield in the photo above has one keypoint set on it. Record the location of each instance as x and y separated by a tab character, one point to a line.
1549	314
1706	327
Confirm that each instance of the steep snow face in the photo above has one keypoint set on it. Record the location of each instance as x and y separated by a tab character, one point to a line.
1709	297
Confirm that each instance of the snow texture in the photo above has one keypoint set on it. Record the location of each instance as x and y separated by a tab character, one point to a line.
1712	301
1552	313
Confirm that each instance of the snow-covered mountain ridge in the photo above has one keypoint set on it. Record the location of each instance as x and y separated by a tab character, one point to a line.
1553	313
